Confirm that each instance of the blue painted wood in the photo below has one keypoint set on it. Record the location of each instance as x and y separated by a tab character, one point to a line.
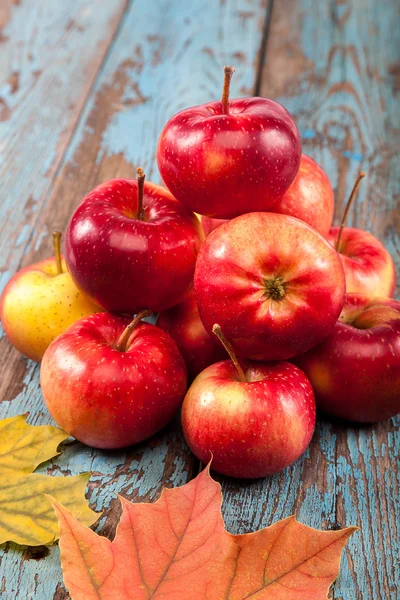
334	65
162	58
50	53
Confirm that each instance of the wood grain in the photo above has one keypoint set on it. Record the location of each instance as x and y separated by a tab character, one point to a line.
50	54
161	59
332	64
335	65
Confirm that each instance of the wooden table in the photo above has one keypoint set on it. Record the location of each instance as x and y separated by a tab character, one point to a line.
86	86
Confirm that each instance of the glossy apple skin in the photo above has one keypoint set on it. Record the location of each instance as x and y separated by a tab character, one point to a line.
111	399
125	264
184	325
310	197
368	266
209	224
224	165
38	304
238	259
250	429
355	371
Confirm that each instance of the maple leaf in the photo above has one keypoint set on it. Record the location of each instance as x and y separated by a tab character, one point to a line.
26	515
178	548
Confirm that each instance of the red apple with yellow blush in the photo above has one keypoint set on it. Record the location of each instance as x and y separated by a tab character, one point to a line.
274	284
111	382
252	418
355	371
368	266
309	198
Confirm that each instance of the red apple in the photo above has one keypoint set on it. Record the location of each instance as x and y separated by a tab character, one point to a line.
355	371
226	158
131	245
210	224
184	325
253	420
272	282
111	384
310	197
368	266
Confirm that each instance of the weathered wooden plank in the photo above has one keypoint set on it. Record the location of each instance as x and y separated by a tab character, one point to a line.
163	58
50	54
334	65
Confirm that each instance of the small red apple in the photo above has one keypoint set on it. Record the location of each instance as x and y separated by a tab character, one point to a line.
131	245
272	282
368	266
355	371
210	224
111	384
310	197
226	158
253	419
184	325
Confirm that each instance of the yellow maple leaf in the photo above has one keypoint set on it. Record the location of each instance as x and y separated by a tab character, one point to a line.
26	515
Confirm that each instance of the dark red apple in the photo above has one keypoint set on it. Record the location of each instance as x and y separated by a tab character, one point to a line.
131	245
226	158
310	197
111	383
368	266
273	283
355	371
253	420
184	325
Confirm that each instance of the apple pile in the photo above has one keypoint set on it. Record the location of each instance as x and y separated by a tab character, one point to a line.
263	307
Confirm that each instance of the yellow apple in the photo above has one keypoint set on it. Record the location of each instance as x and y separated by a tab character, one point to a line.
40	302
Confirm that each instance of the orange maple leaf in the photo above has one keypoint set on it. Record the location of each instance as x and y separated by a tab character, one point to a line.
178	549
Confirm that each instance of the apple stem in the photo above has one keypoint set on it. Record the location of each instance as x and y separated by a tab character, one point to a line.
360	176
228	347
140	177
126	334
228	72
57	250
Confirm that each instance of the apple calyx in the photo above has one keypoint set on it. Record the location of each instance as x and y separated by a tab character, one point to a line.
228	347
360	176
228	72
126	334
275	288
140	177
57	250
